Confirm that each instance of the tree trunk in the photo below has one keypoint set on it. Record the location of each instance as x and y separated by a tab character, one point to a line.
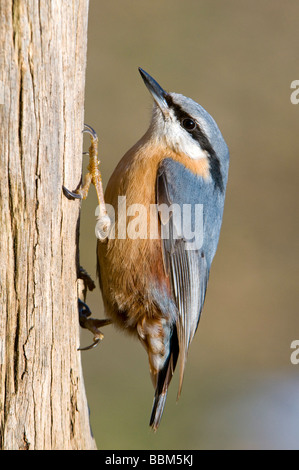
42	72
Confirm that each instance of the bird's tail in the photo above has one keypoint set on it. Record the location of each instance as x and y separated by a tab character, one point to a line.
164	377
157	411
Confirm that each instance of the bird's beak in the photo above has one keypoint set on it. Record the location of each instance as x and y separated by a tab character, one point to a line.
155	90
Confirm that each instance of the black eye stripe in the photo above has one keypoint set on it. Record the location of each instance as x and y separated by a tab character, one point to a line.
203	141
196	133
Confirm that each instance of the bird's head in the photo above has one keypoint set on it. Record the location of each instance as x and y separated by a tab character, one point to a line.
183	125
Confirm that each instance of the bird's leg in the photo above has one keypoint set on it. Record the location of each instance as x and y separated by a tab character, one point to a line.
82	191
84	280
85	283
93	176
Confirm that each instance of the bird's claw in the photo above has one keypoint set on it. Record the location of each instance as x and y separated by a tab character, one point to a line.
92	324
71	194
89	130
91	346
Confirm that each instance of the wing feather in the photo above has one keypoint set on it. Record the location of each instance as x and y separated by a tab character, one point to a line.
188	269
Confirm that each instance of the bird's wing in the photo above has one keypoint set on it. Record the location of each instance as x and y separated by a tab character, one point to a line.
189	242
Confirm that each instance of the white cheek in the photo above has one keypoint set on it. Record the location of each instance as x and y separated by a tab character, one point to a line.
191	148
182	142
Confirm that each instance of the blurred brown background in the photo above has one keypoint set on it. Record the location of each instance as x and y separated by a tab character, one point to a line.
236	58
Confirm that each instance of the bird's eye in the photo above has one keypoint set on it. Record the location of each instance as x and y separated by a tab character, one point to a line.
188	124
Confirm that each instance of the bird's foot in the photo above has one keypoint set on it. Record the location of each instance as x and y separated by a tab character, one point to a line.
92	324
93	175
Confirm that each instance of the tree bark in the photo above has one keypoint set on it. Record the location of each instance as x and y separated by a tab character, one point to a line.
42	77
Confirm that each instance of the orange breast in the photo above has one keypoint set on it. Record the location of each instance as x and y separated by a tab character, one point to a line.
129	268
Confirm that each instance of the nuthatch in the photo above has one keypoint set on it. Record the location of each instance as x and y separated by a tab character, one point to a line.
154	286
